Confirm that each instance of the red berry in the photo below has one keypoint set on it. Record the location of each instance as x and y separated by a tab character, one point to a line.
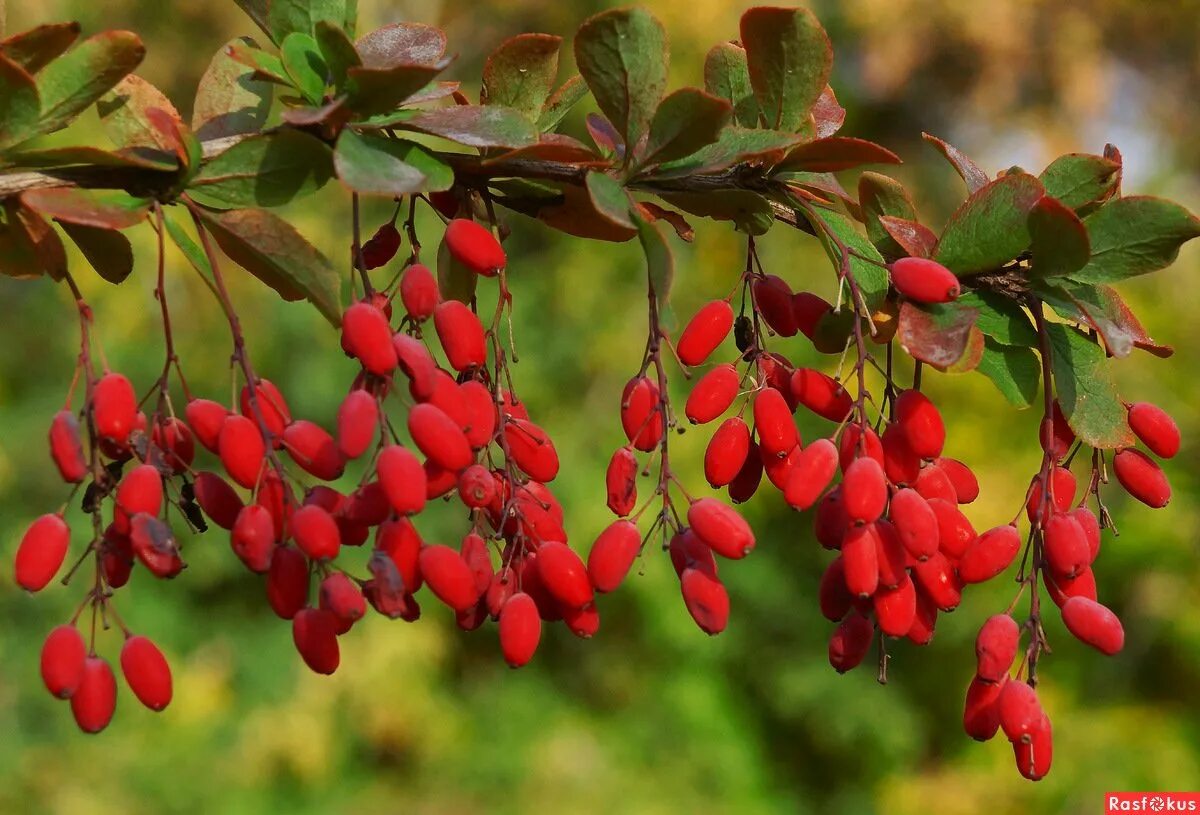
141	490
474	550
830	521
704	332
1019	709
276	495
860	560
955	532
641	413
864	491
989	554
745	483
937	578
966	486
1066	548
1062	589
981	715
833	597
932	483
287	582
821	394
417	364
925	621
1090	524
1094	624
613	554
271	405
316	533
849	449
42	550
721	527
915	523
779	470
726	452
63	657
147	672
419	292
461	335
475	247
95	700
773	299
367	337
1154	428
687	551
1062	488
773	422
850	642
480	409
402	478
808	309
1055	434
242	450
706	600
357	423
712	395
155	546
996	648
1142	478
531	449
206	419
114	407
66	449
439	437
921	423
401	542
314	632
584	622
901	465
175	439
813	471
621	481
448	576
253	538
1034	758
563	574
896	608
218	500
314	450
340	596
924	280
520	629
891	555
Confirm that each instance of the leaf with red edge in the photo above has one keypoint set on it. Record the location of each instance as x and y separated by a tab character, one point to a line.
975	178
916	239
685	121
1103	309
38	47
560	103
229	100
1081	180
938	334
475	126
972	354
991	227
836	153
828	114
653	212
520	73
1059	240
372	91
726	76
553	147
19	104
70	84
402	44
123	114
1135	235
104	209
140	158
789	57
880	195
1085	390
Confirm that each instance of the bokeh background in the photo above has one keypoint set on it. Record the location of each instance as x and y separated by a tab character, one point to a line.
651	716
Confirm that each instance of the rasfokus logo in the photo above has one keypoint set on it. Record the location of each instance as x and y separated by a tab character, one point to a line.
1151	802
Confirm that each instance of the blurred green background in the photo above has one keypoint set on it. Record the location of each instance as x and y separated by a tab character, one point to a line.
651	716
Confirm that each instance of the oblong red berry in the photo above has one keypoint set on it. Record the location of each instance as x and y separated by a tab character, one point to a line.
417	364
271	404
688	551
62	661
915	523
849	448
937	578
114	407
924	280
141	490
921	424
712	395
966	485
901	465
612	555
316	533
1019	709
314	450
955	532
461	335
1062	589
820	393
620	481
773	299
531	449
219	501
745	483
864	491
480	408
341	596
314	632
811	474
989	554
1065	546
1094	624
242	450
583	622
834	599
773	422
175	440
402	478
996	648
1142	478
401	542
476	487
981	713
155	546
448	576
779	470
860	560
808	309
1090	524
1035	756
850	642
439	437
357	423
726	451
287	582
419	292
925	622
367	337
896	607
206	418
253	538
95	700
66	449
932	483
830	521
564	574
704	332
1154	428
892	557
721	527
520	629
1055	435
146	672
1062	489
641	413
41	552
474	246
706	599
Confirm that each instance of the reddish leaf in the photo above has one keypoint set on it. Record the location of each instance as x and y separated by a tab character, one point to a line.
123	112
401	44
976	178
105	209
1103	309
36	48
827	114
141	158
476	126
46	246
915	238
576	215
936	334
880	195
991	227
554	147
972	354
653	212
835	153
605	135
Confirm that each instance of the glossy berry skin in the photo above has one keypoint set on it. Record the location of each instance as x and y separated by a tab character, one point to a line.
864	491
1066	547
613	554
996	648
721	527
520	629
564	574
314	450
146	672
439	437
821	394
316	533
287	582
921	424
271	404
849	448
242	450
476	487
475	247
381	247
367	337
62	662
417	364
726	452
706	599
219	501
178	445
1154	428
1142	478
314	632
461	335
41	552
808	309
813	471
777	432
403	479
531	449
141	490
773	298
641	413
966	485
339	595
704	332
357	423
1094	624
896	607
1062	488
745	483
850	642
834	599
448	576
621	481
114	407
989	554
95	700
419	292
955	532
860	560
937	579
1019	709
155	545
981	713
206	418
1062	589
253	538
1034	758
66	449
924	280
915	523
712	395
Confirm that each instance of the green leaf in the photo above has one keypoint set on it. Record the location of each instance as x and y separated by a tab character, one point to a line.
880	195
266	171
19	104
1000	319
71	83
287	17
104	209
1085	389
229	100
872	278
475	126
187	245
991	227
1014	371
372	91
560	103
735	145
375	165
107	250
305	66
38	47
455	281
265	66
975	178
520	73
274	252
123	114
1059	241
789	59
337	51
623	56
609	198
1080	179
1134	236
1102	308
750	212
726	76
685	121
660	264
936	333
